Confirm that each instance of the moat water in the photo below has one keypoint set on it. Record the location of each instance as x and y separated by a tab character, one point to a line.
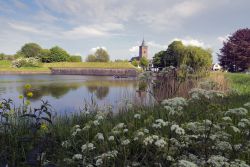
70	93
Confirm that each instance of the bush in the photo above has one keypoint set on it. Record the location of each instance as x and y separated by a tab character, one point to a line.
75	59
26	62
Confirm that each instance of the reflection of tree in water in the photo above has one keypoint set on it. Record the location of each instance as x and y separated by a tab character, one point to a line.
100	91
55	90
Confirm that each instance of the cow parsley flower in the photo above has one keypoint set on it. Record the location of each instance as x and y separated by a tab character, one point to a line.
218	161
125	142
77	157
178	130
88	146
96	122
111	138
247	105
99	162
99	136
160	143
137	116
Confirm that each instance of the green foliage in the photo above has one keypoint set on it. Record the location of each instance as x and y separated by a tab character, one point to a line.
46	56
177	55
100	55
135	63
91	58
2	56
144	62
158	59
30	50
75	59
58	54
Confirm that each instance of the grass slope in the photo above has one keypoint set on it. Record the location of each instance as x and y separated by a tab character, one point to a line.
5	66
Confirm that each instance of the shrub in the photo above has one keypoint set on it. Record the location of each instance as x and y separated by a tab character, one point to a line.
26	62
75	59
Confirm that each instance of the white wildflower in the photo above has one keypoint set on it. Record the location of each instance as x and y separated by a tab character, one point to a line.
235	129
125	130
176	103
247	105
178	130
96	122
66	144
99	162
237	112
99	136
86	127
137	116
148	140
146	130
111	138
88	146
77	157
160	143
227	119
218	161
125	142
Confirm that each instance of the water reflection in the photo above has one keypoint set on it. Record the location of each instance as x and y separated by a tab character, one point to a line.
99	91
68	93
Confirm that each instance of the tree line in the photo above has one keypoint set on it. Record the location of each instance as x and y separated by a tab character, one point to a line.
33	50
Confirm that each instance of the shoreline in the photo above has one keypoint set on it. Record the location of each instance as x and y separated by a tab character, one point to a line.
127	72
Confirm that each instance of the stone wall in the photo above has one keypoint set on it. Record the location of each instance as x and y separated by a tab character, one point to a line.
95	72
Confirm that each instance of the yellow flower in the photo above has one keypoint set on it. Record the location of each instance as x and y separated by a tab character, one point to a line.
27	102
30	94
20	96
27	86
44	127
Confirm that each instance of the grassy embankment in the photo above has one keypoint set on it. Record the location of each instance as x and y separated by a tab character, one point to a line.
5	66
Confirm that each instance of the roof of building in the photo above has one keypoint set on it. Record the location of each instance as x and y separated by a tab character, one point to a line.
143	43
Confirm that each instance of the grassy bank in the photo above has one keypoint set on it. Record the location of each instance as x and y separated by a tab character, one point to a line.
5	66
208	129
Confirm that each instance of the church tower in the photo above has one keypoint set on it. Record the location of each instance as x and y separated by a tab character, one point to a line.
143	50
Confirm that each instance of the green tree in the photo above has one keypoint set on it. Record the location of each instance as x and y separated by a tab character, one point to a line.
91	58
158	59
30	50
75	58
2	56
134	63
46	56
144	62
58	54
101	55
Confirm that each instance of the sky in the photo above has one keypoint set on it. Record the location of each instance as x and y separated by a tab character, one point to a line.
82	26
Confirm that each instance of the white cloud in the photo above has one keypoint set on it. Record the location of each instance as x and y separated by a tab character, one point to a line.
93	30
223	38
22	27
93	50
134	49
192	42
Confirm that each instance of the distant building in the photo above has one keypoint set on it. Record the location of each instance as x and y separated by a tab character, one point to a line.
143	52
216	67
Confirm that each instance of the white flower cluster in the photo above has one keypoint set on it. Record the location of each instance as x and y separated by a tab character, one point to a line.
125	142
66	144
176	103
100	136
88	146
159	123
237	112
198	94
77	157
177	129
137	116
156	140
118	128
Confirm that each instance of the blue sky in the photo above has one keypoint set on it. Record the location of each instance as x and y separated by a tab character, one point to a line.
81	26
